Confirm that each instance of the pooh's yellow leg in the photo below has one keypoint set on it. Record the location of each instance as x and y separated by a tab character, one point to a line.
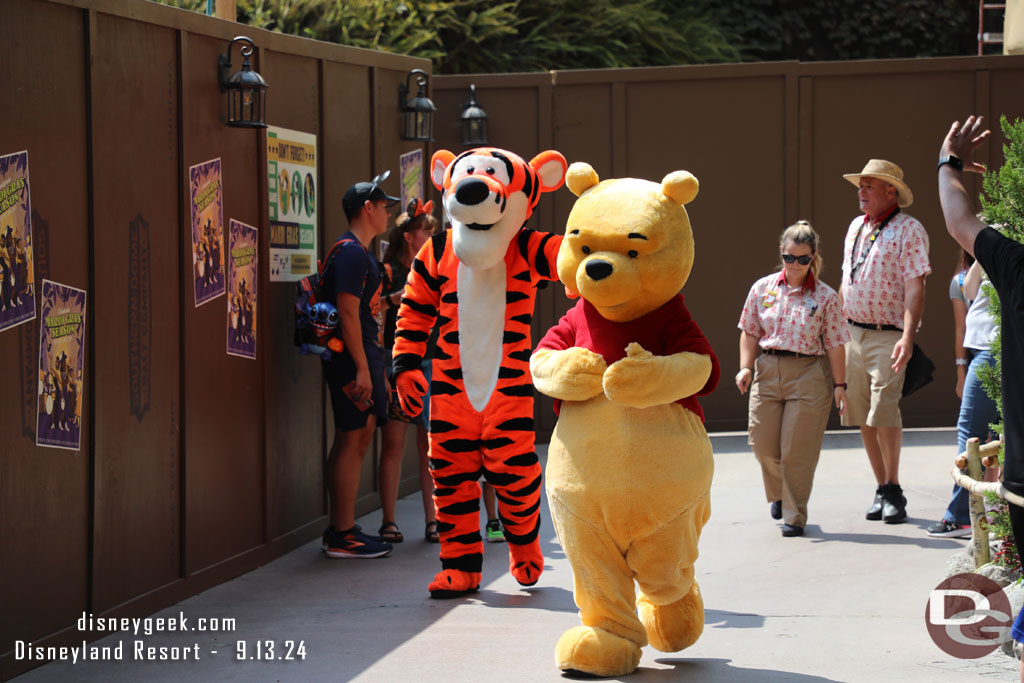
670	604
596	652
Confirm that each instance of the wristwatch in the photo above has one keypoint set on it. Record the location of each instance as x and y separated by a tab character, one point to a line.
953	161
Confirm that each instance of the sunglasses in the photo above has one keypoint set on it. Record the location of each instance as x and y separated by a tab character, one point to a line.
802	260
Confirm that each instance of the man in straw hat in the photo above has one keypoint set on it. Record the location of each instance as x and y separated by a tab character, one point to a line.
885	260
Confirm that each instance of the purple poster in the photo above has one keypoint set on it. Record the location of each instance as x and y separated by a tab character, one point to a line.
207	203
61	366
17	271
241	289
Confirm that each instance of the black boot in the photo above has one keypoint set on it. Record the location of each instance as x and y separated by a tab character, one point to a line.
894	505
874	512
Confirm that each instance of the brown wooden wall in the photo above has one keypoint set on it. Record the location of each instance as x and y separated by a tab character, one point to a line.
769	144
195	466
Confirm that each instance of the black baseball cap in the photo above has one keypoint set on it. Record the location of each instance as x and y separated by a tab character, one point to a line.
360	193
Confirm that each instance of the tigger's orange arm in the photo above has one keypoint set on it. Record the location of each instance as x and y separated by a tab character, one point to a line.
419	308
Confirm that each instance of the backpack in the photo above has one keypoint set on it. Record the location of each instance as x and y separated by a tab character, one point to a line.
316	318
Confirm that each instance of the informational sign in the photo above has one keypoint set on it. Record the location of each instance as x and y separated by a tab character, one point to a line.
207	202
242	284
17	269
292	185
61	366
410	167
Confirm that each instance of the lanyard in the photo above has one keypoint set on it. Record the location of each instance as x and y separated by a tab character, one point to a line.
854	267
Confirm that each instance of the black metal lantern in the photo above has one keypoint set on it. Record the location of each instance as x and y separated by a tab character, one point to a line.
474	121
246	90
418	112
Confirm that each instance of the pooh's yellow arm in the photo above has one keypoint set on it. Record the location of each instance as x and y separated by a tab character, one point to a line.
642	380
573	374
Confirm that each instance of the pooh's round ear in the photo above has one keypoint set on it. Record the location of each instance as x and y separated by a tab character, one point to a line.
438	164
680	186
581	177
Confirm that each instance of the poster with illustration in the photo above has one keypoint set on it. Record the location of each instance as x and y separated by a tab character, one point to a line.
410	166
61	366
17	270
291	188
207	202
242	272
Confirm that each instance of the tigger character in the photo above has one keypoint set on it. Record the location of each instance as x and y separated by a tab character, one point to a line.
478	280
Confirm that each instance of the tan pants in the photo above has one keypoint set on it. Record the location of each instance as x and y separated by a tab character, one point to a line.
790	400
873	391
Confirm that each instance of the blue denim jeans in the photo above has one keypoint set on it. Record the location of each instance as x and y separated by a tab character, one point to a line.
977	412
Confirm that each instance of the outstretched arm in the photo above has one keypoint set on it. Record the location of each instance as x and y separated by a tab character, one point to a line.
957	207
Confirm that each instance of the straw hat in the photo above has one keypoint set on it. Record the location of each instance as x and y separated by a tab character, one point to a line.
888	172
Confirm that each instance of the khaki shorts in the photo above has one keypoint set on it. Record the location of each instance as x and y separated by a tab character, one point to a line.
873	390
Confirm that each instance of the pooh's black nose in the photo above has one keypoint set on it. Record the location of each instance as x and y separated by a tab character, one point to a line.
471	191
599	270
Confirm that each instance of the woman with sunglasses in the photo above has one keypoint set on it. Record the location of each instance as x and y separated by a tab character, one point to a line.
795	320
411	231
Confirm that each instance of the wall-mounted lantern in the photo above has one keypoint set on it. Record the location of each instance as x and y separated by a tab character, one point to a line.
418	112
474	121
246	90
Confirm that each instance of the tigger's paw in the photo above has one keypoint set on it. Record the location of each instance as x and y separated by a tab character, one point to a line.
596	652
452	583
526	563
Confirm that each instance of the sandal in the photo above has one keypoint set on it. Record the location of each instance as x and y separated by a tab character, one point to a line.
430	533
390	533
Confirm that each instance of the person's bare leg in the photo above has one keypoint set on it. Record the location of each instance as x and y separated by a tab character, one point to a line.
344	468
489	503
426	481
869	435
389	469
890	440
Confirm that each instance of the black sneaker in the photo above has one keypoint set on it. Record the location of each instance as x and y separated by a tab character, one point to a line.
792	530
874	512
947	529
353	543
894	505
327	534
776	509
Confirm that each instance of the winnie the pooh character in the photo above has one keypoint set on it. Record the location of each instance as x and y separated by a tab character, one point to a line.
629	465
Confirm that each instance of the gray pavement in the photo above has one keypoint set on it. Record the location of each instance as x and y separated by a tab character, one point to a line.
844	603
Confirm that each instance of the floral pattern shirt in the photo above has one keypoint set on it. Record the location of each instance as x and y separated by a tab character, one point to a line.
874	293
807	320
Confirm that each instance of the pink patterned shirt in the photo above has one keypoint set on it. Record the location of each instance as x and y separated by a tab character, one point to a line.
807	320
900	253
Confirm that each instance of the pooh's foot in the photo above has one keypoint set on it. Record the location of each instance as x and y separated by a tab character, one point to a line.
597	652
675	626
525	562
452	583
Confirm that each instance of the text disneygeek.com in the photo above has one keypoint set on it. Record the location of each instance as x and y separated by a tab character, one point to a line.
138	649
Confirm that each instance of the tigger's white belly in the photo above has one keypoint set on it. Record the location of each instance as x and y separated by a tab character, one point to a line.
481	329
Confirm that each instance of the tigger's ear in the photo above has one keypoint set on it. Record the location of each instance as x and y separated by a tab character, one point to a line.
550	167
438	164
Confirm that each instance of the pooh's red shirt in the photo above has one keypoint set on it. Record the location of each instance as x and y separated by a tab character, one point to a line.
664	331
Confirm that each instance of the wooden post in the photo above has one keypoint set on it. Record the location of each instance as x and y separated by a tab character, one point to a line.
979	522
224	9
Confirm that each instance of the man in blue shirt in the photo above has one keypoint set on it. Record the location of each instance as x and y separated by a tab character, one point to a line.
355	377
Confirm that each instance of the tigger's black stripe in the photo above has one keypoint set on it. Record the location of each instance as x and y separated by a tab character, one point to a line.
508	164
523	276
451	297
464	507
521	460
456	160
437	242
444	526
413	335
454	480
406	361
541	260
517	390
428	279
440	427
464	563
438	463
473	445
517	424
503	479
511	297
454	373
510	373
528	489
521	354
452	338
425	309
443	320
528	183
536	186
465	539
441	354
524	244
523	539
525	318
510	337
526	512
441	388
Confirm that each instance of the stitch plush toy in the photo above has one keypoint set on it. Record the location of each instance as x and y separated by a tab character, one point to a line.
479	282
629	465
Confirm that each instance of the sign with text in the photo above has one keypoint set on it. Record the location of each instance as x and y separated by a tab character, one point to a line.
292	185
